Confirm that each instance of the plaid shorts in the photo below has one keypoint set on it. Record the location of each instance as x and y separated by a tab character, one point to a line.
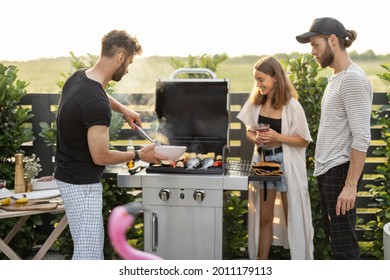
83	207
339	229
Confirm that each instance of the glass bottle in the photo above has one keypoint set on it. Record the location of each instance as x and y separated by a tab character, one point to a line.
130	148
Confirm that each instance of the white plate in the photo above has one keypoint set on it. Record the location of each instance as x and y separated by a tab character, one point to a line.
171	152
39	194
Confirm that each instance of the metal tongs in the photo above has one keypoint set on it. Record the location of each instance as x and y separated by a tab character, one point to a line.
144	134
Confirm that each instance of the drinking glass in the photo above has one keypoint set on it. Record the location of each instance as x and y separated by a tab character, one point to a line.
261	128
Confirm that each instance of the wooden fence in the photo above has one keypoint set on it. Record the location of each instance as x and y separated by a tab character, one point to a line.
43	106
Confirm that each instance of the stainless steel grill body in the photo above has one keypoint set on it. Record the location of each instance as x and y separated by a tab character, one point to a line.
184	216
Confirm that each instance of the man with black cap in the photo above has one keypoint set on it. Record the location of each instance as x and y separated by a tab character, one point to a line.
343	135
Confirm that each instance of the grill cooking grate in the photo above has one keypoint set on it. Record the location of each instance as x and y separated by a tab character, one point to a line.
244	168
183	170
238	168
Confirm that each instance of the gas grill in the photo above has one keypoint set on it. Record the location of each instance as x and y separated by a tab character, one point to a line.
193	113
184	217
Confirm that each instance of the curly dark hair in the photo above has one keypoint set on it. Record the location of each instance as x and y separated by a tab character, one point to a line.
120	40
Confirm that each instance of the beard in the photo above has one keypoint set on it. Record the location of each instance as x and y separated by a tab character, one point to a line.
120	72
327	58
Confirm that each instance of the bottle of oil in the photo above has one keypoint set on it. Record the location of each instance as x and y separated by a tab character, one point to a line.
20	186
130	148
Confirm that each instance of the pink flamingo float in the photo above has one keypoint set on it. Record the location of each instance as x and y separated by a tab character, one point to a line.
119	221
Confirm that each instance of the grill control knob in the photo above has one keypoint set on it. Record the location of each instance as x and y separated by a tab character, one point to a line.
164	194
199	195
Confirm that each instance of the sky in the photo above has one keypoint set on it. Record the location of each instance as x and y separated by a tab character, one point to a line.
33	29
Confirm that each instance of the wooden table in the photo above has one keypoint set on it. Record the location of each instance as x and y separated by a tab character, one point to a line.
23	217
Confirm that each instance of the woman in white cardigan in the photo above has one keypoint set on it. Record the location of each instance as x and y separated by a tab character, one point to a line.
279	214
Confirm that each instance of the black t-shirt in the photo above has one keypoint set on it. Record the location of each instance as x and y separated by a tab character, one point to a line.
83	104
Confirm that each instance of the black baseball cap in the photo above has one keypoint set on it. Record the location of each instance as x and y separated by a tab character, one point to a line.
326	26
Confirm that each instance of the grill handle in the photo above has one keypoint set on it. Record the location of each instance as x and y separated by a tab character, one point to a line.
193	70
154	231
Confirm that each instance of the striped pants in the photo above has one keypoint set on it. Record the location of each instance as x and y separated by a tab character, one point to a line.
339	229
83	207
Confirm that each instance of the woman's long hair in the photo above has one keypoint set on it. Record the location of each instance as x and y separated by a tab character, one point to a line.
283	89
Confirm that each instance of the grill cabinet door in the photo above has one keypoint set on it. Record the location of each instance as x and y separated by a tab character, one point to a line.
184	233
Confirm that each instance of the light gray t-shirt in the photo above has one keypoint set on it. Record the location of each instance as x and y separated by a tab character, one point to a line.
345	119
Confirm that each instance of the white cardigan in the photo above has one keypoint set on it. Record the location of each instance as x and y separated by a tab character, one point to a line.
300	230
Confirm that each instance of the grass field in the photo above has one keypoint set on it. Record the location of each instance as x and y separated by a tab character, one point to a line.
42	75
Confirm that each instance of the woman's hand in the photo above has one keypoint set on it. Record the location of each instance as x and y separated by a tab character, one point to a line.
252	137
268	138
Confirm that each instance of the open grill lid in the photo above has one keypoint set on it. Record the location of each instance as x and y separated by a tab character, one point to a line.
193	111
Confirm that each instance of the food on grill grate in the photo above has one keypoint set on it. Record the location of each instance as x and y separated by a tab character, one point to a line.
206	163
267	168
192	163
